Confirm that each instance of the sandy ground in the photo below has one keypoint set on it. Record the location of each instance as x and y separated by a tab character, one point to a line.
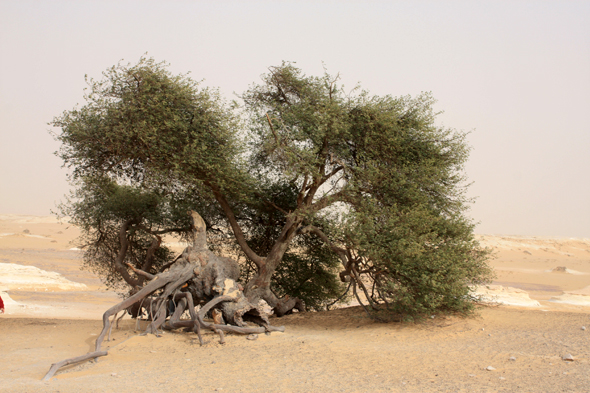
544	285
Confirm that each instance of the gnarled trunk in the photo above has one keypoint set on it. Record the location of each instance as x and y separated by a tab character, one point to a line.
259	286
199	276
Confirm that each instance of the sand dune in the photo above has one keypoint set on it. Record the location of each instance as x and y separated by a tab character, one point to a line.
24	219
561	246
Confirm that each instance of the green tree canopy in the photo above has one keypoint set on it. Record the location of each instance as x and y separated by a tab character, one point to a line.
306	175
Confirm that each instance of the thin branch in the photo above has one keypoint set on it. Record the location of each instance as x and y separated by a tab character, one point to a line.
358	298
149	258
140	272
273	130
168	230
341	296
341	252
166	266
335	184
329	175
357	278
302	191
122	253
271	203
328	200
332	83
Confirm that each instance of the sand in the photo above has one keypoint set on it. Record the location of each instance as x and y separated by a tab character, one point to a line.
541	303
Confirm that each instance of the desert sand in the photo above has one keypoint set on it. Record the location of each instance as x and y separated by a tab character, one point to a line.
538	311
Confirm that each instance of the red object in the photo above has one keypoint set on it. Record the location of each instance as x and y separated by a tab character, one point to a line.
1	305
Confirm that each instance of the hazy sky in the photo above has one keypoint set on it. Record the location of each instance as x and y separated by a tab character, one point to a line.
516	73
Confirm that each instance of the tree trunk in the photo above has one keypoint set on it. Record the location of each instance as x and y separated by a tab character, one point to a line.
259	286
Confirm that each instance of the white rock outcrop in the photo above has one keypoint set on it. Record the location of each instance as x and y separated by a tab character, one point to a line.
14	276
505	295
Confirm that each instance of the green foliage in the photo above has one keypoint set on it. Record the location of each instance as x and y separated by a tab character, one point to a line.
308	273
140	119
420	262
399	186
309	176
100	207
141	134
407	222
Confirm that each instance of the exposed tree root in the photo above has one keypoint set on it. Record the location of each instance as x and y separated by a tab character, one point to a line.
58	365
184	302
199	276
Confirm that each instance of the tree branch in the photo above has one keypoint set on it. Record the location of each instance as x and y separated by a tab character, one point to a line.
168	230
141	272
301	194
149	258
258	261
271	203
122	253
328	200
273	130
346	258
341	252
328	176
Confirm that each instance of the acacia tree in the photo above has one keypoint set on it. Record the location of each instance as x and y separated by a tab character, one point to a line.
312	175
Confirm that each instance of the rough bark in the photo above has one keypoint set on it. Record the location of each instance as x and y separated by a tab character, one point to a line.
259	286
199	276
